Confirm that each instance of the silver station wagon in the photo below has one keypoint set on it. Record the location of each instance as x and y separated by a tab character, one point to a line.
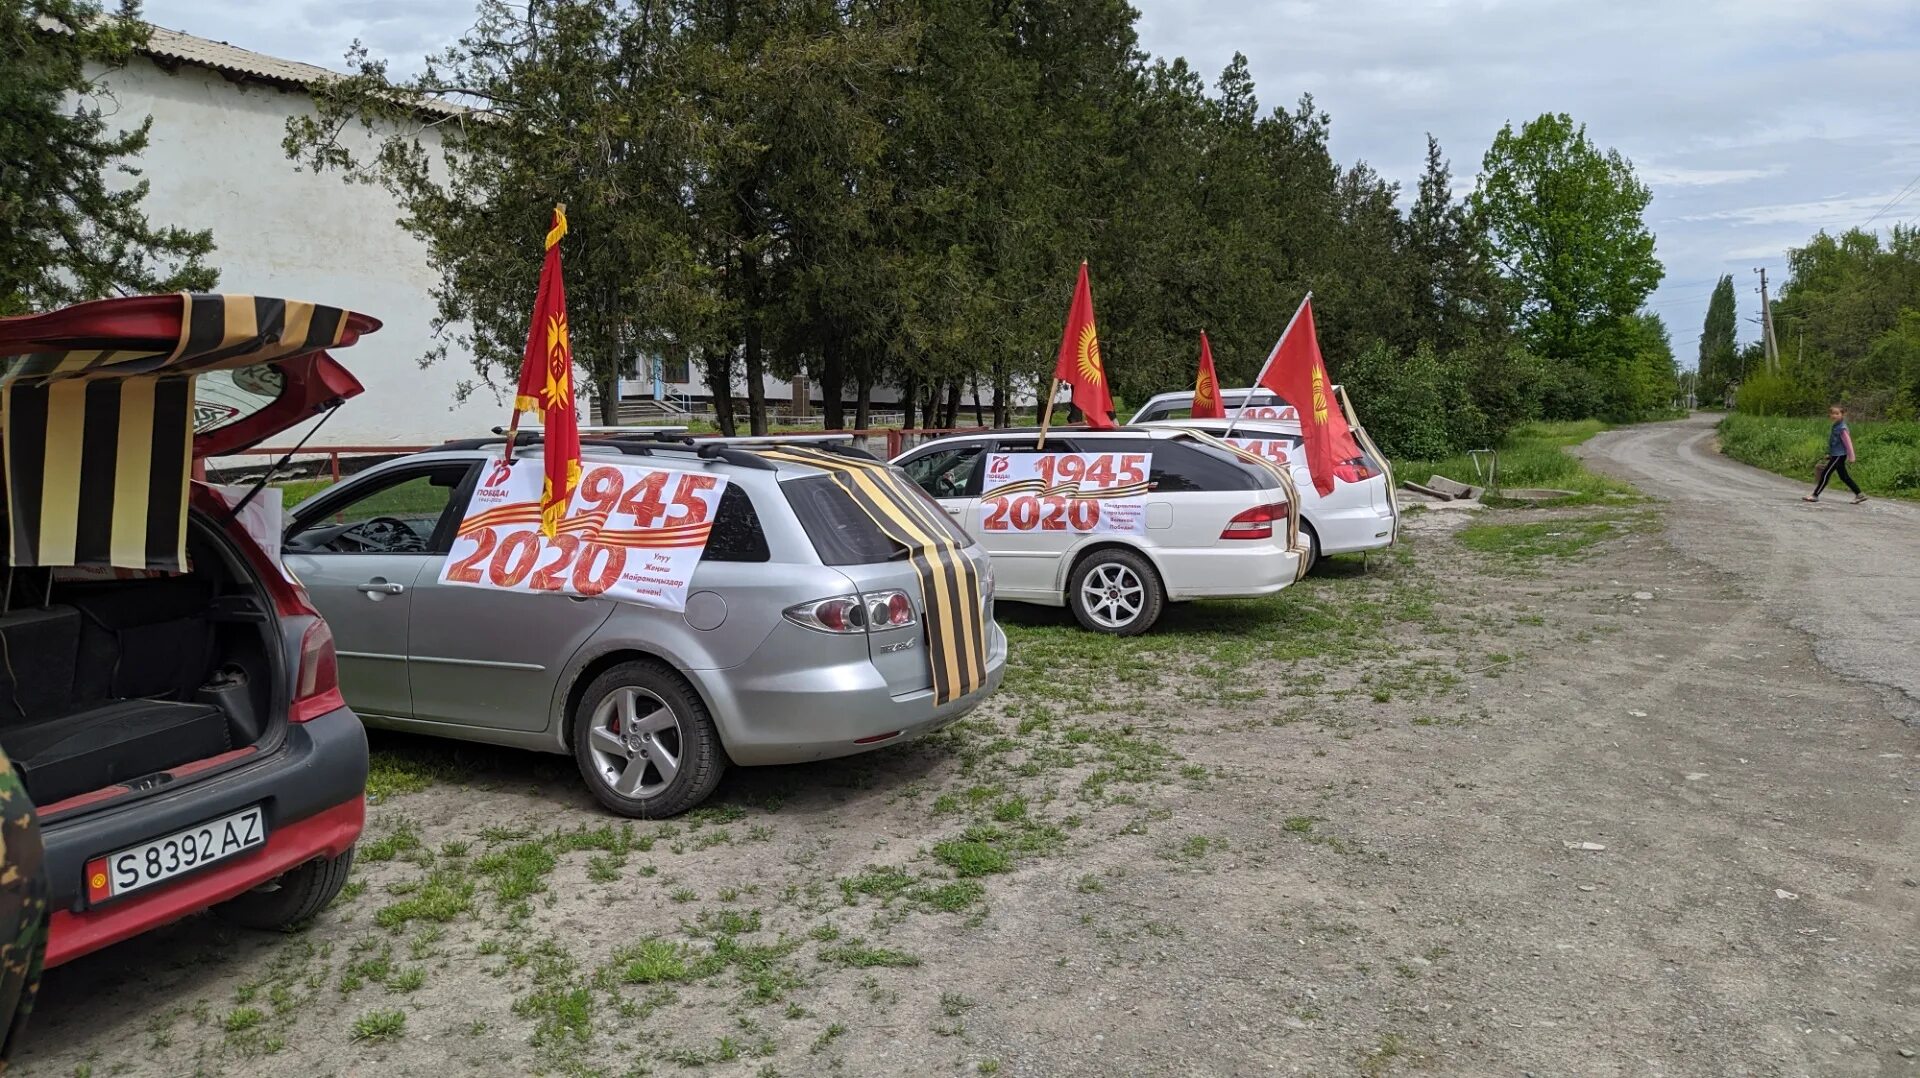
807	633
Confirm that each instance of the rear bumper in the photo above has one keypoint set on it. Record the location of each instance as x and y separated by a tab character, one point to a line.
1347	531
312	790
819	713
1231	570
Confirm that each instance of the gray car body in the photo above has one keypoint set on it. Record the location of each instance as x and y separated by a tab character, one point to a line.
507	668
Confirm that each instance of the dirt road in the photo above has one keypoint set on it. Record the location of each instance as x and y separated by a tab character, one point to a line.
1847	575
1547	794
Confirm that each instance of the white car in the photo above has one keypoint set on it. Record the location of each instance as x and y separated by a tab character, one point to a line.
1116	524
1360	514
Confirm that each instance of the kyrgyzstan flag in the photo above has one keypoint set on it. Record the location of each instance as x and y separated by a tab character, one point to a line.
1079	362
1296	374
1206	388
546	384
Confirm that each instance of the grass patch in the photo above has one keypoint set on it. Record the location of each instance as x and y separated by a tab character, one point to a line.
1889	452
1543	539
379	1026
1532	455
856	954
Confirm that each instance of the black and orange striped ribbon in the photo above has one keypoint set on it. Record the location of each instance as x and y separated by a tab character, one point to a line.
99	432
950	587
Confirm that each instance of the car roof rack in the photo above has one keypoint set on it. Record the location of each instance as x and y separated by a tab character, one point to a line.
634	445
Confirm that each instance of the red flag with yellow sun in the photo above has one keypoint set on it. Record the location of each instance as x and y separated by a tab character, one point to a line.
546	384
1206	388
1079	363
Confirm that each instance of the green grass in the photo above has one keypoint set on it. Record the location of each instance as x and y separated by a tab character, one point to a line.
379	1026
1533	455
1525	542
1889	452
857	954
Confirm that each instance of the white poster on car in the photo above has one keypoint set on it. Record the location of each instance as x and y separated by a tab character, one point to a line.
1278	450
631	533
1069	492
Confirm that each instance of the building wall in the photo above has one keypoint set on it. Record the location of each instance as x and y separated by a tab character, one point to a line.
215	161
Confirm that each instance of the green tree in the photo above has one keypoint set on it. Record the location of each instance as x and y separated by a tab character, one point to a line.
1565	222
67	233
572	102
1719	356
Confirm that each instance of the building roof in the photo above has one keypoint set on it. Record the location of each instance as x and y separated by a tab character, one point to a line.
173	47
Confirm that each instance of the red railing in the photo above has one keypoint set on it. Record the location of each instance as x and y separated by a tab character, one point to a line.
894	441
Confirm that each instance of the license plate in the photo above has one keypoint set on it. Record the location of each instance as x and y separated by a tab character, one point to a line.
164	858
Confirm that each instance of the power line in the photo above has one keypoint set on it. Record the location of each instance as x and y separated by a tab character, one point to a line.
1895	200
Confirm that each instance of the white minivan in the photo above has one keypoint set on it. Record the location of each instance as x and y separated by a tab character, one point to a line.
1360	514
1116	524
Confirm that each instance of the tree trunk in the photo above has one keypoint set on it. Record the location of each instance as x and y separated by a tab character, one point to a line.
978	419
953	403
719	366
929	404
755	372
606	398
1002	392
862	399
833	378
909	399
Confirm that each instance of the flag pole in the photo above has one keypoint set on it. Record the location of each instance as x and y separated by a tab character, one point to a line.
1046	417
513	424
1271	356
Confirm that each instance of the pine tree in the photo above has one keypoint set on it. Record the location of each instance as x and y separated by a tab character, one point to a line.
66	234
1718	356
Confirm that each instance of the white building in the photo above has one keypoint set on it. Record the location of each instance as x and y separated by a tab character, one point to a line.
215	161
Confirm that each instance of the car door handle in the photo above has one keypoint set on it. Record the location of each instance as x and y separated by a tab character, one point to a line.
952	512
381	587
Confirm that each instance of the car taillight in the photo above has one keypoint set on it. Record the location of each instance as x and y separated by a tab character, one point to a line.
1354	471
1255	523
889	610
317	683
855	613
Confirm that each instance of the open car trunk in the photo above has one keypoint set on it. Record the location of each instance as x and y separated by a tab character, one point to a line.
120	681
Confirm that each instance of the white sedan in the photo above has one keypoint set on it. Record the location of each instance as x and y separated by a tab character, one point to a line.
1360	514
1116	524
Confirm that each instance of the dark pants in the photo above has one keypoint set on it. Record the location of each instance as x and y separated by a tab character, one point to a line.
1835	466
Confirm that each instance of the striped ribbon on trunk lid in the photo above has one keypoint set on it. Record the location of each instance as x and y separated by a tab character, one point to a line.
98	409
949	583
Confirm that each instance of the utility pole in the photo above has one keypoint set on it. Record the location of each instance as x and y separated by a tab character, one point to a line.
1772	346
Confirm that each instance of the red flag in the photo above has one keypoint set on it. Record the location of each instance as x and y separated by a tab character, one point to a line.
1079	362
1296	373
546	383
1206	388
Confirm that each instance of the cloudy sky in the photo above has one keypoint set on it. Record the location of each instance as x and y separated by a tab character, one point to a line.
1755	122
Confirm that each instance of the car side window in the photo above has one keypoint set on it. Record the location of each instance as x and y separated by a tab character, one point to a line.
1179	467
399	513
953	472
736	534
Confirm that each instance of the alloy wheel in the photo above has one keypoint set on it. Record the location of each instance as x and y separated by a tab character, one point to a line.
635	740
1113	595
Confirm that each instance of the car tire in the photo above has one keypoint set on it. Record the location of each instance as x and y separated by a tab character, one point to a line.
1122	575
1313	546
609	739
292	899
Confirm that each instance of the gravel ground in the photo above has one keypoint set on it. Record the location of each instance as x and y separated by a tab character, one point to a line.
1556	795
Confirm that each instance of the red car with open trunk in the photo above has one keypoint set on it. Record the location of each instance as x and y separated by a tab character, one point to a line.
179	728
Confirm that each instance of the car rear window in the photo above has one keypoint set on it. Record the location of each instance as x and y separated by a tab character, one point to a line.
841	531
1184	466
736	534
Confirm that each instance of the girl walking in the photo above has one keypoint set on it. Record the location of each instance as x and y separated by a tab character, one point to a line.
1839	454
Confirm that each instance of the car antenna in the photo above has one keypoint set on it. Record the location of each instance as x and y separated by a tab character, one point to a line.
267	476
